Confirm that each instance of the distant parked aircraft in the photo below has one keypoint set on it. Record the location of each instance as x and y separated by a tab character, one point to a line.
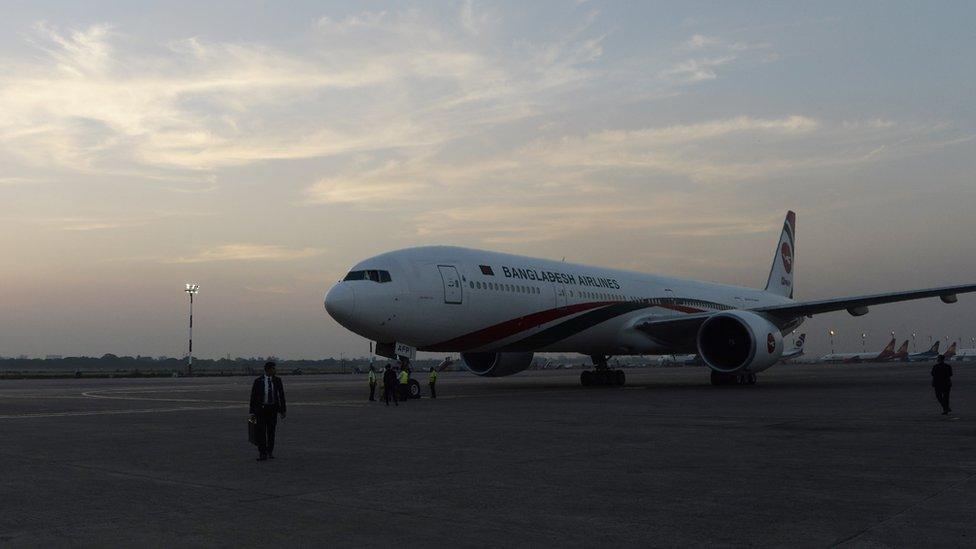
796	351
901	354
885	354
931	354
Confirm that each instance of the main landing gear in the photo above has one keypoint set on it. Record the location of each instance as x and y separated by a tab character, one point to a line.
719	378
601	374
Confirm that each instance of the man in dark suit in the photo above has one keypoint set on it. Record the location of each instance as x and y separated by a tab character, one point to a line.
389	385
267	401
942	383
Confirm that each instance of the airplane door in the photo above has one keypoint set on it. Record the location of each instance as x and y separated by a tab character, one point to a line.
560	292
452	284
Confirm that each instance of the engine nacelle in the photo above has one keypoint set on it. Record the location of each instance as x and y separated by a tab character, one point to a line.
739	341
496	364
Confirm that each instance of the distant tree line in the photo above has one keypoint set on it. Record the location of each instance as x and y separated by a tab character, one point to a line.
110	362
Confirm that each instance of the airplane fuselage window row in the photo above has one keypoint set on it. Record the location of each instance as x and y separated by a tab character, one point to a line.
497	286
582	294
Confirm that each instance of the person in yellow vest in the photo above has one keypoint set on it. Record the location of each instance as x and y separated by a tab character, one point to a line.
404	383
372	383
432	382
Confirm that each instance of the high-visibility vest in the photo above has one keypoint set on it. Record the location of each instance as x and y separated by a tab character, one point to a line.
432	377
372	377
404	377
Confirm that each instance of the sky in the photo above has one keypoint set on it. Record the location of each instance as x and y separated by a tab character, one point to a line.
260	149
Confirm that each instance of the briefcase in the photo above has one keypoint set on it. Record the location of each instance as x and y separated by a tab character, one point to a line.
252	431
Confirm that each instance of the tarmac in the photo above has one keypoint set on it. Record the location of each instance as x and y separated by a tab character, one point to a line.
813	455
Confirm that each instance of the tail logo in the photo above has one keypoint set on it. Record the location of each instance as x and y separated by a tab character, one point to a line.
786	253
770	343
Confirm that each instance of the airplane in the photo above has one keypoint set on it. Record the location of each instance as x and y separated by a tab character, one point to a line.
930	354
796	351
901	354
964	355
950	352
885	354
498	309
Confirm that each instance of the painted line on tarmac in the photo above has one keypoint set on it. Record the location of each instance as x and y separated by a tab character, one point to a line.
94	394
227	405
116	412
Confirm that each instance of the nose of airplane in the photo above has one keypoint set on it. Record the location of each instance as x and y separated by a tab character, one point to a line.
340	302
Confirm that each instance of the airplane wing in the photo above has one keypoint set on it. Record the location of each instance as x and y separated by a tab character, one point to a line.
857	306
680	332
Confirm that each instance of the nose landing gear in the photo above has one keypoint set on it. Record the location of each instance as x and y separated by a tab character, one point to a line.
602	375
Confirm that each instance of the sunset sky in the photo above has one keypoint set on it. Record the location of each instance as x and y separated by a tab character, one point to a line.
262	148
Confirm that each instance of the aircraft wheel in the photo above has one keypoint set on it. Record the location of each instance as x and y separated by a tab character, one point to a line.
752	379
620	378
414	388
719	379
586	378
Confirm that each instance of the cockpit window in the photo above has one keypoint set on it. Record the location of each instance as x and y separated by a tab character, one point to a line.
372	274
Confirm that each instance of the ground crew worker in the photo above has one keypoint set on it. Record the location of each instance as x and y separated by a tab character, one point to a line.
372	382
404	384
942	383
432	381
389	385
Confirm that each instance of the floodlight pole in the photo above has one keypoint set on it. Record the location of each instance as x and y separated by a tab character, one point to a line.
192	290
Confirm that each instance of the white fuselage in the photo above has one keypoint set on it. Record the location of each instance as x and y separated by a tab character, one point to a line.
464	300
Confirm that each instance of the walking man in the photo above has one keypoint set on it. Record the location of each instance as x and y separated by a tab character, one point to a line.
267	401
389	385
432	382
372	383
942	383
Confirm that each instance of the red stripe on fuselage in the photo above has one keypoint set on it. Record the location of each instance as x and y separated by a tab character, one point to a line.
511	327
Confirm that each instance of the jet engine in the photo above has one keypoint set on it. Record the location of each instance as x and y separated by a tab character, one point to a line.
739	341
496	364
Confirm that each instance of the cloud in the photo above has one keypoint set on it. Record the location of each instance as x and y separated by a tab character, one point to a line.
18	181
346	191
99	101
695	70
248	252
700	41
712	52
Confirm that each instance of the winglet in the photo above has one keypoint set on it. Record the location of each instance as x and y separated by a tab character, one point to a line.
780	280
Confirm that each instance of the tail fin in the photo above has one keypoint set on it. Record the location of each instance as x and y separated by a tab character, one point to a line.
935	348
902	351
951	351
781	274
889	349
